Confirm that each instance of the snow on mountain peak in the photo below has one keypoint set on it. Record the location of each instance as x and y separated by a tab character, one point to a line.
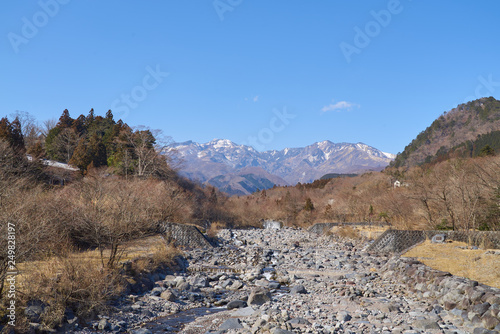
221	143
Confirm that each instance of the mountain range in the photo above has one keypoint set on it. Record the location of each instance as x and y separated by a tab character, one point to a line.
240	169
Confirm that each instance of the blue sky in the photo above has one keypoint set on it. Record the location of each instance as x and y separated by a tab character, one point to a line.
274	74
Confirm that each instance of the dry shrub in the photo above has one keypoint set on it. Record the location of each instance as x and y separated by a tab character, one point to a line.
165	255
73	283
214	229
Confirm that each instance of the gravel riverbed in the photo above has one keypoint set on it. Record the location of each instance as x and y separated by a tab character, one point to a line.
293	281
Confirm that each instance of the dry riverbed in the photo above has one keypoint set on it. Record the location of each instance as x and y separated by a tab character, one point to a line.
291	281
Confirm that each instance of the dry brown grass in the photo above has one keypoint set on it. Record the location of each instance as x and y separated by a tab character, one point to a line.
472	264
70	283
346	232
80	282
372	232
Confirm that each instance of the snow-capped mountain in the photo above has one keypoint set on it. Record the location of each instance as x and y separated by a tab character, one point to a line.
221	157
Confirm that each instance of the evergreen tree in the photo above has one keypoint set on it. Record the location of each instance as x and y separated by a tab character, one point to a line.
309	206
81	156
89	119
65	121
79	125
487	151
109	115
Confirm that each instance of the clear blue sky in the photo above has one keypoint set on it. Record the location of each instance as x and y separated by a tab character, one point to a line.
230	63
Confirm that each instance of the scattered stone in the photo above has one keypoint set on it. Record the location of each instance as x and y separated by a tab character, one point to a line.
298	321
343	316
244	312
104	325
168	295
334	287
142	331
298	289
480	309
34	310
426	324
236	304
281	331
259	296
231	323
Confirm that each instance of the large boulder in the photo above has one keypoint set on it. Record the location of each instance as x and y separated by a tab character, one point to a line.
259	296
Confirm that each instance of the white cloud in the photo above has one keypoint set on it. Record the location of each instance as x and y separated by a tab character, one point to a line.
339	106
256	98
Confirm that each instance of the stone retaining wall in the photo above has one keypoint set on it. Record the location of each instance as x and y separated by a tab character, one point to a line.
466	299
398	241
184	235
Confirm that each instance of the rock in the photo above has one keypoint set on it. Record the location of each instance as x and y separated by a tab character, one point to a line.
483	331
236	285
231	323
274	285
236	304
34	310
476	296
168	295
259	296
226	283
262	282
489	321
298	289
281	331
104	325
70	317
122	324
426	324
243	312
156	291
142	331
480	309
388	308
298	321
183	286
200	282
343	316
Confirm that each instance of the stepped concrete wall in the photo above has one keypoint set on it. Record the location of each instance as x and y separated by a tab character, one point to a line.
398	241
184	235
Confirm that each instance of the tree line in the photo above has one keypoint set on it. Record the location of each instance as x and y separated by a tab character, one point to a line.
90	141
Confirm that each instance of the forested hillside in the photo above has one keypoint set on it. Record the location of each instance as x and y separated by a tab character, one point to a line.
472	125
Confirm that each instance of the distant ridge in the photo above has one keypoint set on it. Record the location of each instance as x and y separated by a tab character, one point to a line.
239	169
